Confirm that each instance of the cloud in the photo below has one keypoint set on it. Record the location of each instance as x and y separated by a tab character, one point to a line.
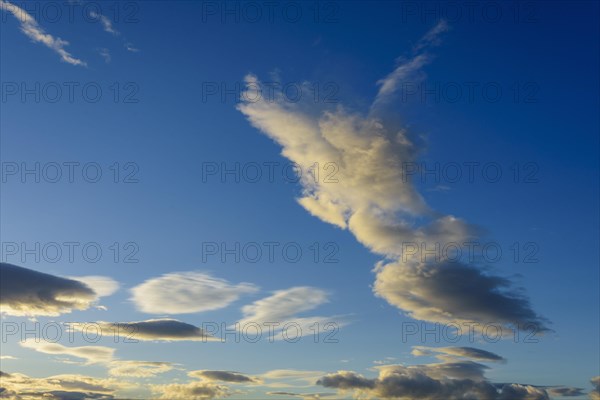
595	394
31	28
566	391
153	329
456	293
92	354
130	47
465	352
191	391
374	198
187	292
224	376
106	23
455	381
102	285
25	292
105	54
409	70
8	358
283	306
139	369
18	386
290	378
307	396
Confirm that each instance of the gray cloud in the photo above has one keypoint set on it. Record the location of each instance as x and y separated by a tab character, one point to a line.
466	352
429	382
454	292
224	376
25	292
153	329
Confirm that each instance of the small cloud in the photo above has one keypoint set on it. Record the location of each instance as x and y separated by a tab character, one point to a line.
453	352
35	32
106	23
139	369
92	354
105	54
223	376
130	47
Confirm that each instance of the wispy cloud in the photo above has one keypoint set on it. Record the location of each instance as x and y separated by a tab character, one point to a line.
106	23
130	47
187	292
105	54
446	353
411	67
92	354
35	32
139	369
283	308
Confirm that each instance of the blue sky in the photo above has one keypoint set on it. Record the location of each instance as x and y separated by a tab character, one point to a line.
475	92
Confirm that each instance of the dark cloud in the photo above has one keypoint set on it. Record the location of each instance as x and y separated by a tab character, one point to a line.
452	292
63	395
153	329
25	292
225	376
346	380
431	382
465	352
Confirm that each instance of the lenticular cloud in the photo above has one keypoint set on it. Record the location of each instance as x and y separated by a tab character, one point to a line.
374	199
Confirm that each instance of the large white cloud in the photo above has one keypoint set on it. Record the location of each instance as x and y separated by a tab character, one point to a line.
187	292
375	199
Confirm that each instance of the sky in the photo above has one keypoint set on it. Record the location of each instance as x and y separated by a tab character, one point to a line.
310	200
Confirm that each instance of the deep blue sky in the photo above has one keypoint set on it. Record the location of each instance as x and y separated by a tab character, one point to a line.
551	59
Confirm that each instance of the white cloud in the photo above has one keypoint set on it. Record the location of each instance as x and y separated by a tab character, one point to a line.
106	23
375	199
130	47
139	369
35	32
103	286
283	307
187	292
92	354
